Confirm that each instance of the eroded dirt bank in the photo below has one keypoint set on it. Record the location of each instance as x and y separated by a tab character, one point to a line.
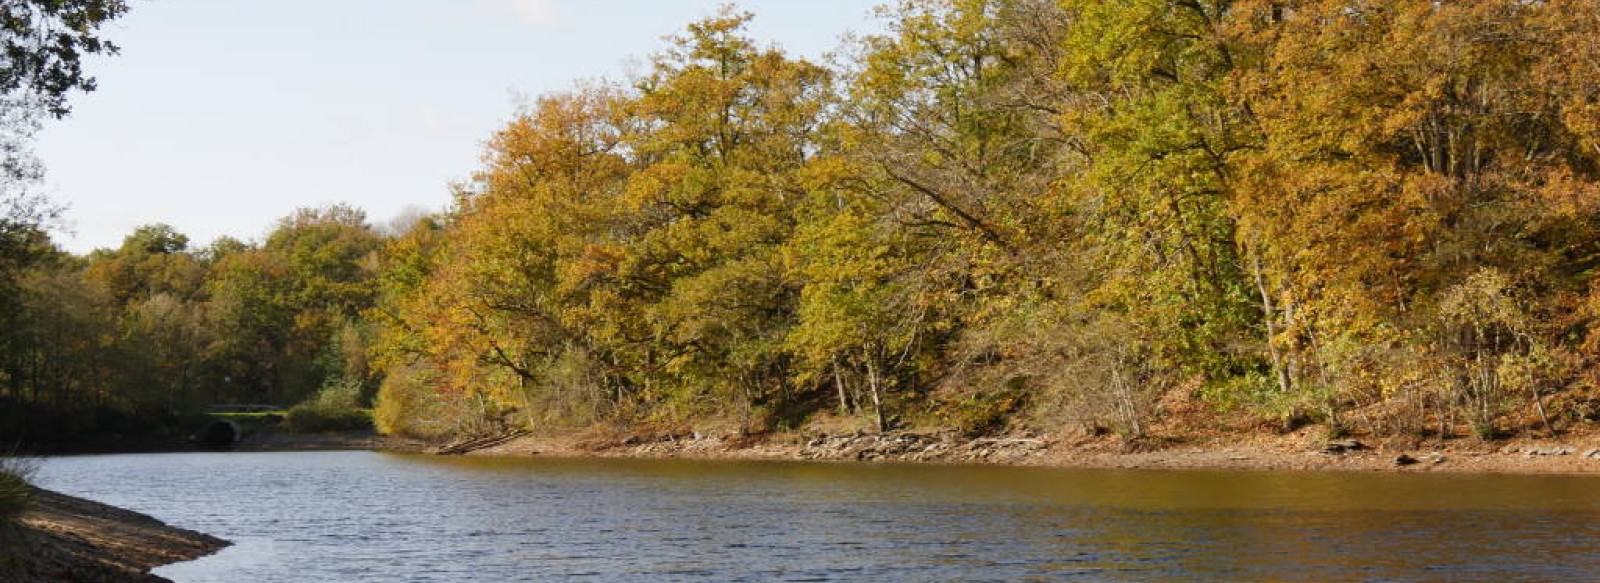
62	538
1301	452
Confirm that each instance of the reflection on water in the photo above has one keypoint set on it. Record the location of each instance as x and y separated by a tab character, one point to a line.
358	516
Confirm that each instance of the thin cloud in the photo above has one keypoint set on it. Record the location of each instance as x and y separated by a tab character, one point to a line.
540	13
431	119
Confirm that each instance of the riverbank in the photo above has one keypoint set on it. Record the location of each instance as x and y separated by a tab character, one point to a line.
62	538
273	440
1303	451
1574	452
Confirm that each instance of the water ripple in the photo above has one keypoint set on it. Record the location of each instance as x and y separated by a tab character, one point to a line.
354	516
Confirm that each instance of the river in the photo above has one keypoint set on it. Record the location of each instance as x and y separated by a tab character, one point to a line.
364	516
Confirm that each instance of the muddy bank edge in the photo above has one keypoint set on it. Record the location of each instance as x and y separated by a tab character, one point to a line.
63	538
1580	455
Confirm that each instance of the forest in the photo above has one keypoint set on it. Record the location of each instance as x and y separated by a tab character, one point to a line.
1371	216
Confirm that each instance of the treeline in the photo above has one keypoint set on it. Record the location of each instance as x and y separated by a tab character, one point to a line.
155	328
1379	212
1376	216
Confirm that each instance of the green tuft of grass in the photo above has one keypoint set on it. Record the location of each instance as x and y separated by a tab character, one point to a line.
323	420
16	475
273	416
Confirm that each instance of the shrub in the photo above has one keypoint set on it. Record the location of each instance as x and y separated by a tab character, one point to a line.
337	407
408	404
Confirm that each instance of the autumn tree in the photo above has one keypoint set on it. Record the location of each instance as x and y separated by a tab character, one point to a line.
723	132
1418	158
153	260
620	252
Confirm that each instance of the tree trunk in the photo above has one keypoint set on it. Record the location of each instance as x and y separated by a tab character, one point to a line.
838	383
1538	404
1125	402
1269	314
873	382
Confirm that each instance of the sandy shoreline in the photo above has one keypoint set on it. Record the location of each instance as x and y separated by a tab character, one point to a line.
63	538
1577	455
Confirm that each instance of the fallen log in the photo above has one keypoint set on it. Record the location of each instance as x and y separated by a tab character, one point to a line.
472	444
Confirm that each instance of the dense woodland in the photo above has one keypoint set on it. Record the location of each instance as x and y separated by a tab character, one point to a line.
1378	216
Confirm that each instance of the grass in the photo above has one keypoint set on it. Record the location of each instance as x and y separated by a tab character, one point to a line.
313	419
16	473
272	416
252	421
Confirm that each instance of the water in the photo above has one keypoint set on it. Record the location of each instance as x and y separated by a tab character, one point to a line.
361	516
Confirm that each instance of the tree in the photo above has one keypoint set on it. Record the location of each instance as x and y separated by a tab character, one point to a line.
1159	134
1417	160
42	44
725	131
495	307
44	41
866	316
287	309
953	108
152	260
964	156
250	294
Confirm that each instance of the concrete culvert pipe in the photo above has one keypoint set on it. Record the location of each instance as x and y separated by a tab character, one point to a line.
220	433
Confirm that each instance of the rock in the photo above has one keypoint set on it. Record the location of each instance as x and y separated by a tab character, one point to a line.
1593	454
1553	450
1343	445
1404	460
1436	458
1351	445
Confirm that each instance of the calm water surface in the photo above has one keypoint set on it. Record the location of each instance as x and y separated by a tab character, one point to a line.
360	516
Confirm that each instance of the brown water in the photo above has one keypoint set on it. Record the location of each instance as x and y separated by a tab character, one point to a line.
359	516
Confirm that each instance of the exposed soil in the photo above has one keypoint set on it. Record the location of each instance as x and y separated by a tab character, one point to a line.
1189	434
1301	451
62	538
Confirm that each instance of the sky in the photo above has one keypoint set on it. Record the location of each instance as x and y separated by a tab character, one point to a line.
219	117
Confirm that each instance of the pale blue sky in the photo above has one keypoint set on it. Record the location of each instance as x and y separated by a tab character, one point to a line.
220	116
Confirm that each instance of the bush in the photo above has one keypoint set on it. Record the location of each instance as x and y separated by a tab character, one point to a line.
337	407
414	401
408	405
982	413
